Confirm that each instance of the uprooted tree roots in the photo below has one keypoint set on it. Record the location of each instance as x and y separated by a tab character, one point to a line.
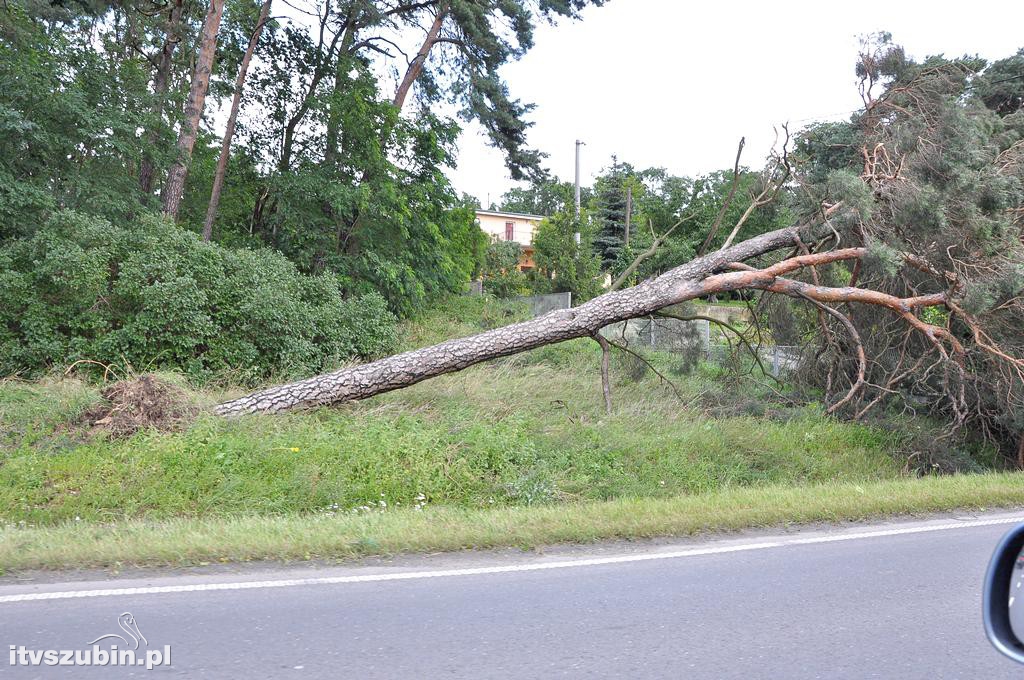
145	402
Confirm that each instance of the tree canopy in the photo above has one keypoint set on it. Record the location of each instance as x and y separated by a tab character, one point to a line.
339	153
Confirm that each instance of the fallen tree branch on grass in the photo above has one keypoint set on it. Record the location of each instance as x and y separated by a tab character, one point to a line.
646	362
740	337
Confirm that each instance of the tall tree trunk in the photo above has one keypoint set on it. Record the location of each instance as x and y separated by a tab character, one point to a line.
685	282
174	187
334	118
229	131
351	239
288	142
161	83
321	70
416	66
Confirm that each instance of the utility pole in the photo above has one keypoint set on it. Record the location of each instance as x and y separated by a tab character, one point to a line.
629	209
578	145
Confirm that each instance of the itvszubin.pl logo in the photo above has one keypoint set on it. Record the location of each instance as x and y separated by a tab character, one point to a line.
128	649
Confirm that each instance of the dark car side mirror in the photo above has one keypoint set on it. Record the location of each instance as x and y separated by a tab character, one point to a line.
1003	598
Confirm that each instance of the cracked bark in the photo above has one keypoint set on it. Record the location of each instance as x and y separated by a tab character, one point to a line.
691	280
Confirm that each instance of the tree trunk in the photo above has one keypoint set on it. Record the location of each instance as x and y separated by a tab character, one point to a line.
416	66
174	187
288	141
161	83
229	131
351	239
685	282
321	70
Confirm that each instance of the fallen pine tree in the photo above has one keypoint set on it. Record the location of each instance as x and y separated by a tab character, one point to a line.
909	251
711	274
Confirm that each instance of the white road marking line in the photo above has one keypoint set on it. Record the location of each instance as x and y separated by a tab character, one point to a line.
367	578
905	530
504	569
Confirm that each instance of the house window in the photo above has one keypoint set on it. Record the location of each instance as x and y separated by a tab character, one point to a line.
510	231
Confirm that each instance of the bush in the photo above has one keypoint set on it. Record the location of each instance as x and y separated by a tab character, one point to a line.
501	277
507	284
156	296
565	265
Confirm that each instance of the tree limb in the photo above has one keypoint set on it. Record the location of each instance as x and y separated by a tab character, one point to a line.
740	337
650	252
771	190
649	365
862	360
726	203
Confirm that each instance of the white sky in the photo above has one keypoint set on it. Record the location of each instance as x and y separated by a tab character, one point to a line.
667	83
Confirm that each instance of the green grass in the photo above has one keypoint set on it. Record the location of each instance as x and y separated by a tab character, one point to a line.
511	434
520	440
182	541
35	416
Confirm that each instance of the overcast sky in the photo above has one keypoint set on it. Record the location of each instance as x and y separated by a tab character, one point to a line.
667	83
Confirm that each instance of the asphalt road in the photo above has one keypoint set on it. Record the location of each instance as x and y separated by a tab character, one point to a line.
881	601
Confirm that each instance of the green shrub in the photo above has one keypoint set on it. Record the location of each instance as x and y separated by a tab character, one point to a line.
156	296
507	284
501	278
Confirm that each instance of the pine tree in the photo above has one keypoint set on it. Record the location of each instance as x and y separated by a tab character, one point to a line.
610	212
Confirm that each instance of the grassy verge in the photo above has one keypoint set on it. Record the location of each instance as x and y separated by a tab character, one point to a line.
518	451
189	541
494	436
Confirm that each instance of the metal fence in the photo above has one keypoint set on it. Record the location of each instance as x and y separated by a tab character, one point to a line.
673	335
776	359
670	335
542	304
694	338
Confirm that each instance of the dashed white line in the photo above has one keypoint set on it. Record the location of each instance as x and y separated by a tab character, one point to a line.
501	569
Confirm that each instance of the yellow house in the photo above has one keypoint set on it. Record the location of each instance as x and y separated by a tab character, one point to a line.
509	226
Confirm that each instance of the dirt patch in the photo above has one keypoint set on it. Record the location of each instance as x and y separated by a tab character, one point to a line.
142	403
